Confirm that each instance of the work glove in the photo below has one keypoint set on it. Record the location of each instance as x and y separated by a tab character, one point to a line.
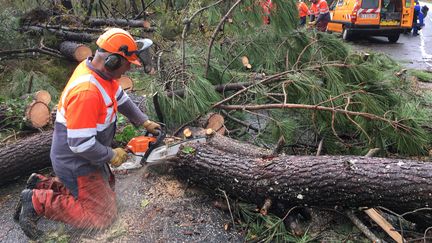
120	156
152	127
312	23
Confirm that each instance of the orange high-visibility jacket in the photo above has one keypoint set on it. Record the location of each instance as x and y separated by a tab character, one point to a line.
303	9
85	123
314	10
322	7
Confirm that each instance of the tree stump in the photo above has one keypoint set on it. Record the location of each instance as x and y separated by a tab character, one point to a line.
75	51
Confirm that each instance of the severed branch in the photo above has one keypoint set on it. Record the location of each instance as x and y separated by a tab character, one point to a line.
247	125
363	228
394	124
8	53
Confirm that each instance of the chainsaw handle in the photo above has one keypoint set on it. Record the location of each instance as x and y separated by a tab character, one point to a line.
159	140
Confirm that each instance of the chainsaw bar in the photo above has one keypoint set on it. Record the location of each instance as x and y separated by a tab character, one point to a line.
169	151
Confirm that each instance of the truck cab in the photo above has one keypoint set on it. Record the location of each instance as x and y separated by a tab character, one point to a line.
387	18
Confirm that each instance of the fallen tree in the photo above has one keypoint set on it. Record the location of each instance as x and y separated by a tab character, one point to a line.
25	156
249	173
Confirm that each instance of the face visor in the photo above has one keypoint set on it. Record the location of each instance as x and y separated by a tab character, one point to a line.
136	57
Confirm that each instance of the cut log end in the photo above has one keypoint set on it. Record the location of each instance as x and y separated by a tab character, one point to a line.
187	133
216	123
82	52
38	114
42	96
75	51
126	83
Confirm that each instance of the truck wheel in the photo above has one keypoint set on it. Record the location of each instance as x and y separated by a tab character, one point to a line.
346	34
393	38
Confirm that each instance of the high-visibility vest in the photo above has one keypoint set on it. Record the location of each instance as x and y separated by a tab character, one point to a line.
303	9
85	121
323	7
314	10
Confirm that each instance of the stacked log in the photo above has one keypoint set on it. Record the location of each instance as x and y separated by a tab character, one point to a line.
35	113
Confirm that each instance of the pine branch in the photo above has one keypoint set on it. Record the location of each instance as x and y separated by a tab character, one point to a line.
215	33
394	124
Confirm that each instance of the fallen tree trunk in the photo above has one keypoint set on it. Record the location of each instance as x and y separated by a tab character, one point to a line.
25	156
325	181
121	23
66	35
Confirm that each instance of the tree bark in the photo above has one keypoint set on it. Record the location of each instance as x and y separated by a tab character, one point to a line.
25	156
325	181
119	22
66	35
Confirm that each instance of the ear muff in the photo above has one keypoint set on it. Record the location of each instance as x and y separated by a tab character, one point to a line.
113	61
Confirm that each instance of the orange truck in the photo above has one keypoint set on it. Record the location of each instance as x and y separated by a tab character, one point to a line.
387	18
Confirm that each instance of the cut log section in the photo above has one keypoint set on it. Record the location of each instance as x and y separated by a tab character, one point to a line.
25	156
126	83
324	181
213	121
42	96
37	114
216	122
75	51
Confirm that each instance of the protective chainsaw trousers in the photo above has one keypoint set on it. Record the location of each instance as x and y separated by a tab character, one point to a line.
94	208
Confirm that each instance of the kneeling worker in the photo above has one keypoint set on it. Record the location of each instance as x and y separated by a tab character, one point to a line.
82	194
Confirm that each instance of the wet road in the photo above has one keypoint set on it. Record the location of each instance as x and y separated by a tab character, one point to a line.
412	51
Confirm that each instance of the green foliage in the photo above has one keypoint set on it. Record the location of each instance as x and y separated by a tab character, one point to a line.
126	134
188	150
422	75
10	39
199	95
265	228
14	110
22	82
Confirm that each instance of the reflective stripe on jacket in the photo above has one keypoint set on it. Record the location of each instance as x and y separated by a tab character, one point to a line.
314	10
85	124
322	7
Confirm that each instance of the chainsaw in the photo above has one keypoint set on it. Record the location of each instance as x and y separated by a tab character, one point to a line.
150	148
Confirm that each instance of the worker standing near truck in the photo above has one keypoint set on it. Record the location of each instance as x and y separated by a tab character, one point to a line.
82	194
419	15
323	17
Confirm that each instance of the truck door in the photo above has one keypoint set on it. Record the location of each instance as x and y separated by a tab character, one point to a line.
407	13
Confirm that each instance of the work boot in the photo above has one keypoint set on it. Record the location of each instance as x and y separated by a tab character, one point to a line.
28	217
31	184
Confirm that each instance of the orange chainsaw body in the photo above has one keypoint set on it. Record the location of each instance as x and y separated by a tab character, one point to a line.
140	144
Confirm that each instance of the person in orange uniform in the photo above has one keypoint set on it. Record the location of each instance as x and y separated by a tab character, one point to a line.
323	17
303	12
82	193
313	12
266	6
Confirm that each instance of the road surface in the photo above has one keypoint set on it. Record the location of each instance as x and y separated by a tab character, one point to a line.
412	51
